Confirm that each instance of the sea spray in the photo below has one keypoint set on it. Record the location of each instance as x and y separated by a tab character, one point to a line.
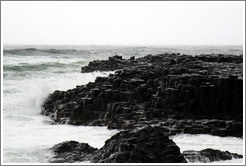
27	134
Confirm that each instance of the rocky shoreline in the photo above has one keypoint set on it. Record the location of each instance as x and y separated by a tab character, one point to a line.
177	93
146	145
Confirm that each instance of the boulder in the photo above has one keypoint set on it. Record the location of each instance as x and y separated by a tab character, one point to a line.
146	145
71	151
209	155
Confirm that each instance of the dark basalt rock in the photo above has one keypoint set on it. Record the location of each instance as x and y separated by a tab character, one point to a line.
206	90
71	151
113	63
146	145
209	155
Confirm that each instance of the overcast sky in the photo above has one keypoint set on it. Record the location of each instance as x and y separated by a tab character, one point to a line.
123	23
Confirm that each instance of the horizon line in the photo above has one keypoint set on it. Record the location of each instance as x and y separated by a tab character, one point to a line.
123	44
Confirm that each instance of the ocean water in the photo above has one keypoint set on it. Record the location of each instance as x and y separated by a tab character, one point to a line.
30	73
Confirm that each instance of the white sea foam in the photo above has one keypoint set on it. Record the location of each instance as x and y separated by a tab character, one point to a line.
27	135
28	139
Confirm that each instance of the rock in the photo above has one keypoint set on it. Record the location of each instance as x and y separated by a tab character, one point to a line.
219	132
132	58
113	63
146	145
209	155
175	93
154	88
116	57
71	151
192	130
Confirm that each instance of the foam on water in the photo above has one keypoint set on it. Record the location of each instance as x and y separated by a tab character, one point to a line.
27	135
30	92
29	138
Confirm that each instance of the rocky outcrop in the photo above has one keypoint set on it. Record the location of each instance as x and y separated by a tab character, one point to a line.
146	145
113	63
209	155
204	126
71	151
181	93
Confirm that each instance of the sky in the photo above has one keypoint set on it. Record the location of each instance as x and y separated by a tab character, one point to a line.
122	23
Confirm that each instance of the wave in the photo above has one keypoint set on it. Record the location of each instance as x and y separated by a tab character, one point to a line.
31	51
40	66
110	50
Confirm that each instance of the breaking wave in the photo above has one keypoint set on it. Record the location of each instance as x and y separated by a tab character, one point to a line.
31	51
41	66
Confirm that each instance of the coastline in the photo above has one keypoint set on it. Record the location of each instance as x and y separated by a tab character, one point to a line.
120	101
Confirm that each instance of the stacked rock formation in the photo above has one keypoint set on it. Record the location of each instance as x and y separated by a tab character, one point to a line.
173	93
201	94
209	155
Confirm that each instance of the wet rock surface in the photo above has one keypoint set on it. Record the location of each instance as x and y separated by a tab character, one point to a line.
209	155
181	93
146	145
168	93
71	151
143	145
113	63
216	127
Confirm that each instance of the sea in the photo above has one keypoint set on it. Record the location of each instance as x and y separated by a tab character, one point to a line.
31	72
